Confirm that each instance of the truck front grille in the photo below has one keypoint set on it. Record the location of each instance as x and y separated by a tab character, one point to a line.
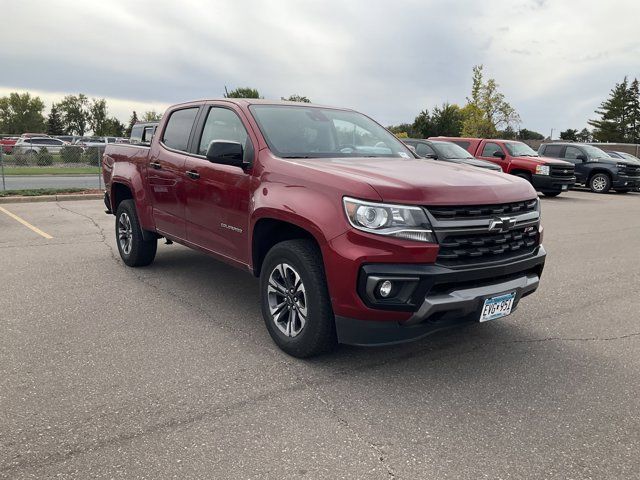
460	248
562	171
632	171
485	234
482	211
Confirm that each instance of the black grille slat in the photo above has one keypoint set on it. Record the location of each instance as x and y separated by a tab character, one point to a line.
562	171
458	248
482	211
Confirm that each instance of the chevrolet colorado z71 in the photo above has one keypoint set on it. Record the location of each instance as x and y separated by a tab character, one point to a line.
355	239
547	175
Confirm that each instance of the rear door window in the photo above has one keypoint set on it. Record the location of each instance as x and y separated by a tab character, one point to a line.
552	151
176	133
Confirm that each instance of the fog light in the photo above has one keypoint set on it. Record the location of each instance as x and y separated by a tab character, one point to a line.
385	288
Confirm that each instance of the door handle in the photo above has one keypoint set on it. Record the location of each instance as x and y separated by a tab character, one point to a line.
193	174
155	165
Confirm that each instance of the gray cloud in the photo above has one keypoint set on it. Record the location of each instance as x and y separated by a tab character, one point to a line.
554	61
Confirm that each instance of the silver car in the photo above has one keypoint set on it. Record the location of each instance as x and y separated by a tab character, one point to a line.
34	144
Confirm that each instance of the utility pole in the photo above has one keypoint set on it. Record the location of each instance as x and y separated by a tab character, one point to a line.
551	136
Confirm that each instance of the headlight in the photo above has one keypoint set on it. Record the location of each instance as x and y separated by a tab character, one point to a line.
621	166
399	221
542	169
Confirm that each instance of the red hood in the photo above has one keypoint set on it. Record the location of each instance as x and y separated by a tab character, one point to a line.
426	182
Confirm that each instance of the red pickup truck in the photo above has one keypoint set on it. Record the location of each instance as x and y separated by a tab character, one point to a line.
354	238
547	175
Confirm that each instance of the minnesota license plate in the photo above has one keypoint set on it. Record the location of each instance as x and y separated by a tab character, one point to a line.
497	307
565	187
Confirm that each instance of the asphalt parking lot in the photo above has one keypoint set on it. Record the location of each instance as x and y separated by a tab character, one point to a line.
168	371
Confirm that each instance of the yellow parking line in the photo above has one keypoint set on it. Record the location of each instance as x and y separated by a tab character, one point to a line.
26	224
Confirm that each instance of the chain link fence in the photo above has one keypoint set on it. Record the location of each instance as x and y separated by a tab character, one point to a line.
50	163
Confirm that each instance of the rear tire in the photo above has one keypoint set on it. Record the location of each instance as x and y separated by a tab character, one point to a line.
295	301
134	250
600	183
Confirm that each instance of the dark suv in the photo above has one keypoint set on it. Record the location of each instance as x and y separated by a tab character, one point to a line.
594	168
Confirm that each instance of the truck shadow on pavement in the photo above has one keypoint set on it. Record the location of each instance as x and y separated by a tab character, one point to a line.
225	294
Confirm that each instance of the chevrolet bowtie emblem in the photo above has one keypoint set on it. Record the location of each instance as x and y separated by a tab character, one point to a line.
502	224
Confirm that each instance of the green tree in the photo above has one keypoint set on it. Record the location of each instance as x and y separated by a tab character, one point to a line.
405	128
447	120
132	121
476	124
243	92
525	134
54	122
634	112
113	127
489	110
151	116
584	136
75	113
570	135
423	125
98	116
21	113
295	98
614	112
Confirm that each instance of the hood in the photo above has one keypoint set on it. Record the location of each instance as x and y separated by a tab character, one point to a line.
545	160
421	181
475	162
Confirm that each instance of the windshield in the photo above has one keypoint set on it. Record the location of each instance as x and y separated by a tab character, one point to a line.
594	152
316	132
519	149
451	150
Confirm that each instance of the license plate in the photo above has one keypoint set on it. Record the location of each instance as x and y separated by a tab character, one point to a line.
565	187
497	307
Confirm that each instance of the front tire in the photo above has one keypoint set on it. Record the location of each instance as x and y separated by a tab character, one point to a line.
295	300
600	183
134	250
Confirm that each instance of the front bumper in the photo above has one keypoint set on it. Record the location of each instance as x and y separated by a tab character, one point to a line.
552	184
626	182
451	297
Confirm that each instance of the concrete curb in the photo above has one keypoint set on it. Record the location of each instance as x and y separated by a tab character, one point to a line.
51	198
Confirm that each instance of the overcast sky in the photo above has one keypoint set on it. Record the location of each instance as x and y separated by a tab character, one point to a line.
554	60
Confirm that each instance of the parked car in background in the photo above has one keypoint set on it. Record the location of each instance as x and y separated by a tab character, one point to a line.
33	135
142	132
33	145
448	152
87	142
547	175
622	155
594	168
67	138
7	144
354	238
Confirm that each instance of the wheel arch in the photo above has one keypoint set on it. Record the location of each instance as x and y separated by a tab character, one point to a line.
268	231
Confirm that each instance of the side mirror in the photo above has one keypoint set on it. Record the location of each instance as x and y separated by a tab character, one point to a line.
581	157
226	153
499	154
432	156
